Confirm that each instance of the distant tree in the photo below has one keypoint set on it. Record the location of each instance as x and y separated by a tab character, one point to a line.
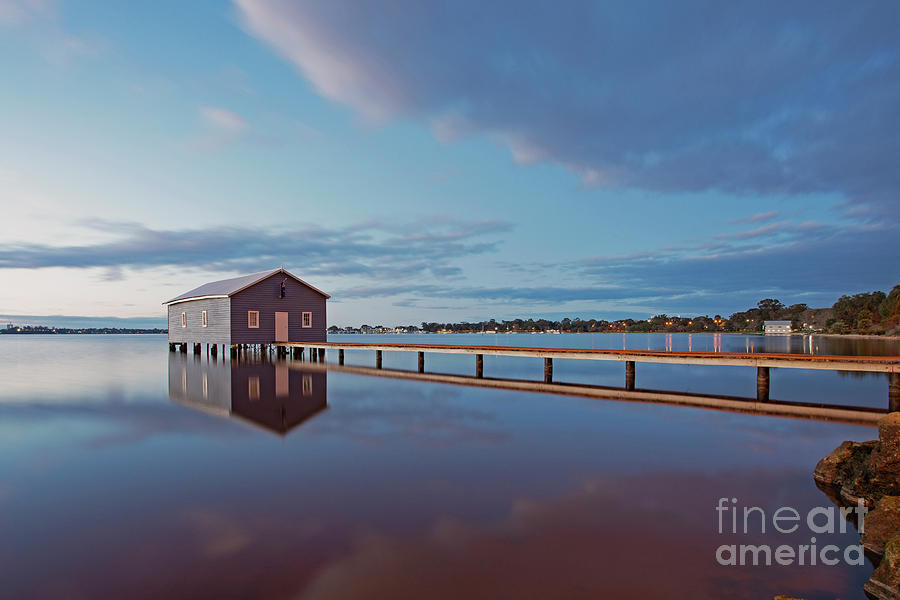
889	309
769	307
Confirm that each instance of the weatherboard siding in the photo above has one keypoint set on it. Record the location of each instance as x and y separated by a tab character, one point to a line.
218	330
265	297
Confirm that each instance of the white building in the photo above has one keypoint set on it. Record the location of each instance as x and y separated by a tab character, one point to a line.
777	326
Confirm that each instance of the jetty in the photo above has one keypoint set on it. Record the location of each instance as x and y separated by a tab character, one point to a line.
762	361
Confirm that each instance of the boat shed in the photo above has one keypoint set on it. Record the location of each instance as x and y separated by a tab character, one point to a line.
777	327
260	308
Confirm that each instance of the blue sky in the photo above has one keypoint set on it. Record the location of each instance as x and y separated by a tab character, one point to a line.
449	161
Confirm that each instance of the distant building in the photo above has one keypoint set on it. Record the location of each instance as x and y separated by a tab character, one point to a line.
777	326
260	308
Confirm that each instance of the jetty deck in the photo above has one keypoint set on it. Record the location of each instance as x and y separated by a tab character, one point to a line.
763	361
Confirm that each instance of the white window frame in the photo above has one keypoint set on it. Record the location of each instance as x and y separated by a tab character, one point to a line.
204	319
303	320
184	319
250	324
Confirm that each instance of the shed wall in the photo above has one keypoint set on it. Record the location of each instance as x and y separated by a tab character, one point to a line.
265	297
218	330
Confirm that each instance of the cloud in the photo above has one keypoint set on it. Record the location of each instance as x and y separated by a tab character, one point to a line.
807	262
758	217
220	127
40	23
223	119
757	98
430	246
20	12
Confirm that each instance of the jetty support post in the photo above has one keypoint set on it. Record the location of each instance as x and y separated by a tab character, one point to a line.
183	348
322	355
197	349
762	384
378	359
171	347
894	392
234	351
548	370
421	362
629	375
479	366
341	356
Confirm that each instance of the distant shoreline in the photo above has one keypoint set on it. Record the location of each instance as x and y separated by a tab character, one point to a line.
103	331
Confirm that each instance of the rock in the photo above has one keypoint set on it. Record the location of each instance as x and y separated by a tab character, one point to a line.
863	470
828	469
885	460
884	584
870	471
881	524
845	471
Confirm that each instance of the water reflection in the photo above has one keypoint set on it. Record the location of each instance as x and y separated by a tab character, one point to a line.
273	396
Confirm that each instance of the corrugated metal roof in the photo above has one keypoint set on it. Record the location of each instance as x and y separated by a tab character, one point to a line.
228	287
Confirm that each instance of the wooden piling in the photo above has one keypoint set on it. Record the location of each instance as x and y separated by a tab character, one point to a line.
894	392
629	374
479	366
183	348
762	384
321	354
197	349
421	362
171	347
378	359
548	370
214	349
341	357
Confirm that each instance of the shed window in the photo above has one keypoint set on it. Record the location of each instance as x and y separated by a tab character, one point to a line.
184	319
253	319
203	318
306	320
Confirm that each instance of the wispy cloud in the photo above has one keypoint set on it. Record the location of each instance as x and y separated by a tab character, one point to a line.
807	262
220	127
22	12
686	97
432	246
40	22
762	217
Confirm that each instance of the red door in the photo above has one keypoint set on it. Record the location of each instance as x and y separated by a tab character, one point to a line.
281	327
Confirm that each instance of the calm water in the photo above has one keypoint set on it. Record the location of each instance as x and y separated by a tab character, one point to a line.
127	471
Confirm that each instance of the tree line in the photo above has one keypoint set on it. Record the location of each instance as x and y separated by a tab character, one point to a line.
869	313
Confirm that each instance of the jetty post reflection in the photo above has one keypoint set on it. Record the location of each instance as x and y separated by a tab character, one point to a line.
274	396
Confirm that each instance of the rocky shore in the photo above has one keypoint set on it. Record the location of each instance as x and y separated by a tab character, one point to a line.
869	472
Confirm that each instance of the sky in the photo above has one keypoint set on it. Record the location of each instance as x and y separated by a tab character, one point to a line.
448	161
